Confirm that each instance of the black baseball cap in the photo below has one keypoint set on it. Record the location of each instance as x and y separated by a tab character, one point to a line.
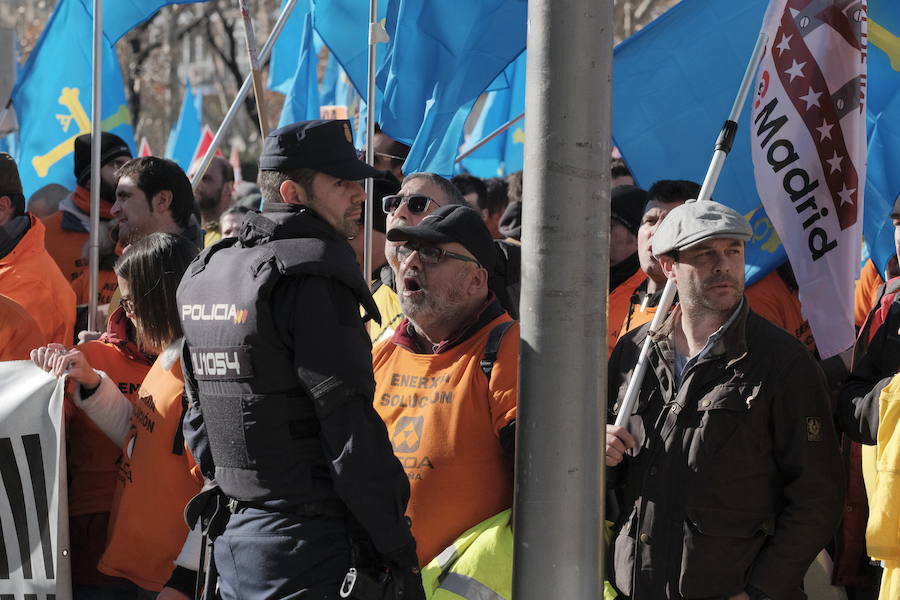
452	223
325	146
628	206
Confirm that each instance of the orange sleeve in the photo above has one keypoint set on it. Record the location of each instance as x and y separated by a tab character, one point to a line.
504	384
865	292
19	332
767	298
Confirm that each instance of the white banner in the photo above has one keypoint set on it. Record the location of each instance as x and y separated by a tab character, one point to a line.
34	555
808	139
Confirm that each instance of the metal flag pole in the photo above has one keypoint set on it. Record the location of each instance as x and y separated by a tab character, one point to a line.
724	144
97	107
376	36
242	94
558	502
489	137
258	90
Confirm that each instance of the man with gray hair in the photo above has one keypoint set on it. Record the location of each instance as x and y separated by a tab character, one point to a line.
420	195
728	473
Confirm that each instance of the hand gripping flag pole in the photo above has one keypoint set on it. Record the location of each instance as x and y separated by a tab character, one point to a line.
242	94
258	90
723	146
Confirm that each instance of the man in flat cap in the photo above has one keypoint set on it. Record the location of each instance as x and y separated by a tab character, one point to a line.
278	369
68	229
727	474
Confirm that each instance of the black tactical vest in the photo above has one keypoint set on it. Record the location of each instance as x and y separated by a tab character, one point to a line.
259	415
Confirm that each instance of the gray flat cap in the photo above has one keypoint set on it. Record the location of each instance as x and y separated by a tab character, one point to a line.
695	222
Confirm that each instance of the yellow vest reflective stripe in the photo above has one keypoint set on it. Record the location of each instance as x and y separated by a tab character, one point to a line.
468	588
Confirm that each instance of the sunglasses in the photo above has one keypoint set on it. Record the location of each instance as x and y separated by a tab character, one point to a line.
429	254
417	203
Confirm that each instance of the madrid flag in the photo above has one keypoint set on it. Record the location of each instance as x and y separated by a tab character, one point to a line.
808	141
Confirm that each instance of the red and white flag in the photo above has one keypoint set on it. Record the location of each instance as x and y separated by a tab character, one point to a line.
808	139
144	148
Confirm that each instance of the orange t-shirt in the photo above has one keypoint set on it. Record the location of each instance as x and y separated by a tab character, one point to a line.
30	277
443	419
147	528
19	332
771	299
64	246
92	457
617	304
865	293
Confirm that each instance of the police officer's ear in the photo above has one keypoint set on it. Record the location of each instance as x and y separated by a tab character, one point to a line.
292	192
162	201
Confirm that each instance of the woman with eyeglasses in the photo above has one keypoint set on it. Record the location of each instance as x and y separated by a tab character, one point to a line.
137	473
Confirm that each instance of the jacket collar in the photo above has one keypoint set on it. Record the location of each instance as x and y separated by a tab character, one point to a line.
731	345
280	220
121	333
26	240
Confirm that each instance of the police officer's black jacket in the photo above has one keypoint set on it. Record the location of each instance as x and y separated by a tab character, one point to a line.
278	370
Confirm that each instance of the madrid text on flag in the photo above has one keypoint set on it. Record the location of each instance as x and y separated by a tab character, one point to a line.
808	142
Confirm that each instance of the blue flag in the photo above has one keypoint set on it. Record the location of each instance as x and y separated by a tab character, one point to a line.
344	27
883	126
185	135
672	89
328	87
287	48
121	16
302	101
505	153
441	57
52	98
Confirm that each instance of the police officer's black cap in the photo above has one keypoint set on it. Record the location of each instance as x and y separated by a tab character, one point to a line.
452	223
325	146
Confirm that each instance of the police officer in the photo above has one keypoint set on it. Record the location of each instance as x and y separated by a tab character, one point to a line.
279	374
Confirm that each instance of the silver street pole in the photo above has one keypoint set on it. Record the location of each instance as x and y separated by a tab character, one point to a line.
96	118
565	248
723	147
242	94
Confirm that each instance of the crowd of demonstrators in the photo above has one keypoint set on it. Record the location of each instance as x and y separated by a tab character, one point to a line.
315	449
138	532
